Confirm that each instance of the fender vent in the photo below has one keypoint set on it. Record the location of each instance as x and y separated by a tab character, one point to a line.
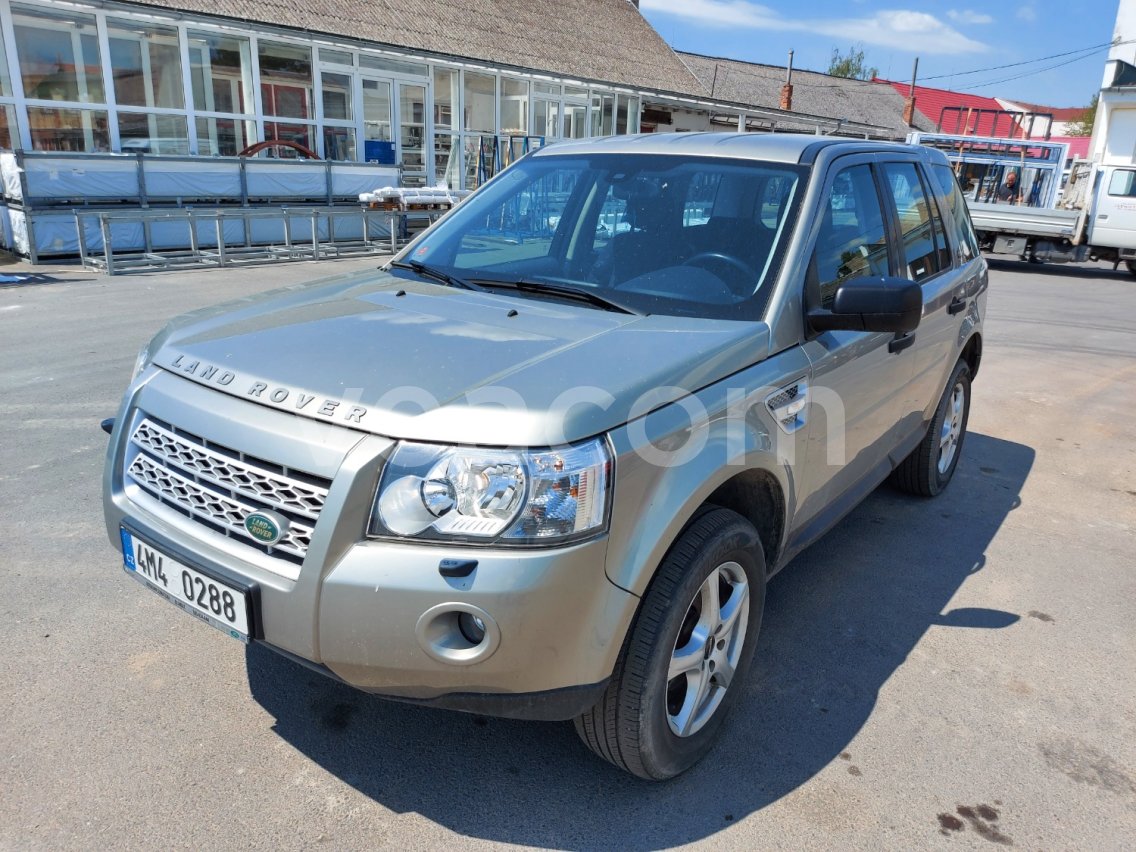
789	405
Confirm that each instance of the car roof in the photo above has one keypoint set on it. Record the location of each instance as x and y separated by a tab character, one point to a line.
770	147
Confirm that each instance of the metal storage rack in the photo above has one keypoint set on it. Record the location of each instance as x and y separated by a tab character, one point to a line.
44	193
238	236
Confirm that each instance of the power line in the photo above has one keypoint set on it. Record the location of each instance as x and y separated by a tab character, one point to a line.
846	82
867	86
1028	73
1094	47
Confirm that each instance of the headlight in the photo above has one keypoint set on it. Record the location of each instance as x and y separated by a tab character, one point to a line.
480	495
141	362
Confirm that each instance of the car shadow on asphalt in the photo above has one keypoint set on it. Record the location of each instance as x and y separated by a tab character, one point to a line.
839	621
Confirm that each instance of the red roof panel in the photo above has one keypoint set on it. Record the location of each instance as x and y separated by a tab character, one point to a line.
962	111
1078	145
1058	113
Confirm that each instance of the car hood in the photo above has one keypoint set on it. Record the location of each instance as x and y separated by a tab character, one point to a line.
417	360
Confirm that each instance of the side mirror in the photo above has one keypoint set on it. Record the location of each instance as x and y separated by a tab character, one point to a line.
872	304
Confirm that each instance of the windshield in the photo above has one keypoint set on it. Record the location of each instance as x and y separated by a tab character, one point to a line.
657	234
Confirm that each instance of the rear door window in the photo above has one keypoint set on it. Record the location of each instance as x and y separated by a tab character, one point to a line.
923	239
957	210
852	242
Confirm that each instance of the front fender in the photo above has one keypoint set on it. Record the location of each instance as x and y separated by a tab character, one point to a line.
659	486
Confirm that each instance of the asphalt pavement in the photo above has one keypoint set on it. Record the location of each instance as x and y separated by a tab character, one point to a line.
946	674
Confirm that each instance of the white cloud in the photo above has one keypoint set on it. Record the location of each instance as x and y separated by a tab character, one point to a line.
719	13
918	32
900	29
969	16
1027	13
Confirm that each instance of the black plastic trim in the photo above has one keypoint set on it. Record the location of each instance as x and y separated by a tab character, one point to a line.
553	705
457	567
901	342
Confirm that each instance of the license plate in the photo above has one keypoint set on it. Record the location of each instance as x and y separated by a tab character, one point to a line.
214	602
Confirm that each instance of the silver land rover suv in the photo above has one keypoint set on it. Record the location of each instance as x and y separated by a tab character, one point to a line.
543	463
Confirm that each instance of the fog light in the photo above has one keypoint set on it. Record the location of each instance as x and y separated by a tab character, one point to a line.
457	633
471	627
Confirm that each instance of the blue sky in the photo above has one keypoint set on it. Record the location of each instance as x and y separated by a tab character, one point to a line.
948	37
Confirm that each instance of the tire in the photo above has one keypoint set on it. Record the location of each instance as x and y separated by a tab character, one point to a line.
928	470
637	724
1131	264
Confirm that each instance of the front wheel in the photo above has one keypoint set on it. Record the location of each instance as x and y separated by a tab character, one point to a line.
928	470
686	657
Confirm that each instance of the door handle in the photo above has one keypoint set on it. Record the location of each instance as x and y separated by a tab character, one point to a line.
901	342
957	306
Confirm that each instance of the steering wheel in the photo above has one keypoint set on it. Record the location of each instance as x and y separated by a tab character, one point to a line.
707	259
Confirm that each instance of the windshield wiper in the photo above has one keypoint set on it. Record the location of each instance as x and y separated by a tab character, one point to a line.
567	291
424	271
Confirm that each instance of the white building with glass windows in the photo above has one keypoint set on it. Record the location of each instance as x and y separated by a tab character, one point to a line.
164	78
452	90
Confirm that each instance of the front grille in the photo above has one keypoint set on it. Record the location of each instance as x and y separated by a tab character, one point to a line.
219	487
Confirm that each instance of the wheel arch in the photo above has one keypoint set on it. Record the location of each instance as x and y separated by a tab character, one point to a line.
757	496
758	493
972	353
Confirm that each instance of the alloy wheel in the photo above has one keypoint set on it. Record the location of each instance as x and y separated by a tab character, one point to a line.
951	430
707	649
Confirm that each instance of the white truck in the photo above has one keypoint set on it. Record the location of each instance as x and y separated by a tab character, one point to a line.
1095	218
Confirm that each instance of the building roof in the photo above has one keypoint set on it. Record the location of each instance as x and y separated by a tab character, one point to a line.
813	93
601	40
1062	114
931	102
1078	145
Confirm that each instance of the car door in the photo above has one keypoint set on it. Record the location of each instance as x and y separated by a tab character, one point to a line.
1113	221
858	378
927	258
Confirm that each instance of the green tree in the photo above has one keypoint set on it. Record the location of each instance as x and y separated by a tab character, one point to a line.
1083	126
851	64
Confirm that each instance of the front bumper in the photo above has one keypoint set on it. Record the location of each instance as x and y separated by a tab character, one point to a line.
378	615
553	705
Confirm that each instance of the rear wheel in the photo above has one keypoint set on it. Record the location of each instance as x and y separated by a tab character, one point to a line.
928	470
1131	264
685	659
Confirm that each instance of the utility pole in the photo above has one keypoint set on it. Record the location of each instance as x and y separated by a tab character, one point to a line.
909	107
